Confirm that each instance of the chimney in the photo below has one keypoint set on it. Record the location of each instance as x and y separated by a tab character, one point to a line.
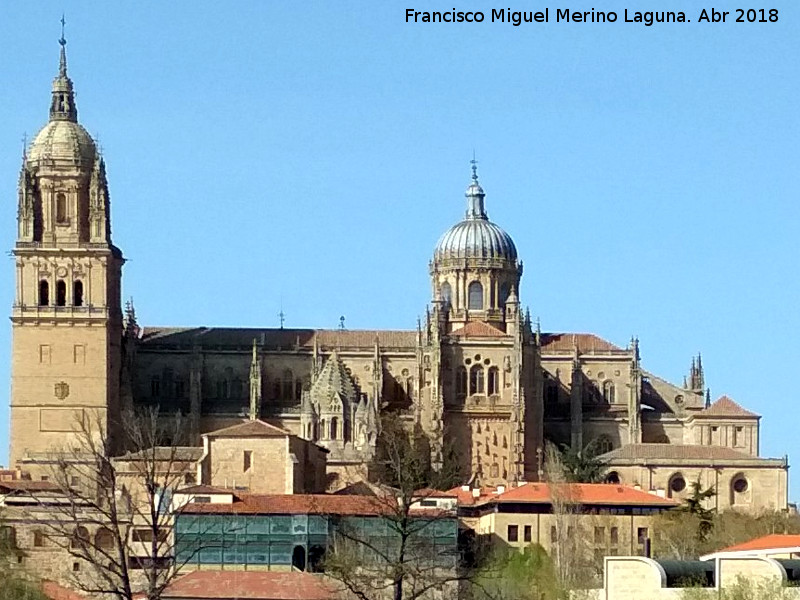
501	489
476	492
464	488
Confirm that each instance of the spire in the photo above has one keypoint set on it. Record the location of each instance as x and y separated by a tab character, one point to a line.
475	195
62	107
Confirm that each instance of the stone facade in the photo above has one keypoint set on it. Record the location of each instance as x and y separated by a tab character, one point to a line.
476	376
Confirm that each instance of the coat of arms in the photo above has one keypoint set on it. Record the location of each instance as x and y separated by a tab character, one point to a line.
61	390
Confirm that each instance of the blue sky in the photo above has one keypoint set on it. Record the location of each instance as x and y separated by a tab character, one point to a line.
310	155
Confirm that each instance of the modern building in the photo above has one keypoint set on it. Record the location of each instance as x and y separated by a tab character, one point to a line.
476	376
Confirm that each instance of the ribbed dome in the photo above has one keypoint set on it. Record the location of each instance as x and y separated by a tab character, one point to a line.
63	141
476	236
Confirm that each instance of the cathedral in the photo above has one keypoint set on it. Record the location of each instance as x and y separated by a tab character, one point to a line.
476	376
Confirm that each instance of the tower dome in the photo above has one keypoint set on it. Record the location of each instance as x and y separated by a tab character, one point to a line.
476	236
63	139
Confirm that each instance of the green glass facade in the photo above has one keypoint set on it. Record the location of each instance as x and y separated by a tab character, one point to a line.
283	540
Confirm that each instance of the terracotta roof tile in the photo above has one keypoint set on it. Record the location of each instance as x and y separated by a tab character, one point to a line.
206	489
584	493
725	407
297	504
55	591
26	485
256	428
674	452
773	541
250	585
587	342
478	329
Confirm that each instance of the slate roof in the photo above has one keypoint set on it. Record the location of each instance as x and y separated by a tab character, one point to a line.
639	452
725	407
296	504
255	428
250	585
479	329
587	342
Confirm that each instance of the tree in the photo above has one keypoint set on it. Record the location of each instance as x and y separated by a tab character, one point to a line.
583	465
399	554
115	515
526	575
14	583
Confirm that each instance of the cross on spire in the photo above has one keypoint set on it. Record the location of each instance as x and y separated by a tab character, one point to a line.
474	164
63	40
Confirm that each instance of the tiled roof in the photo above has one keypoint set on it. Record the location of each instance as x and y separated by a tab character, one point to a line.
775	541
250	429
205	489
725	407
587	342
277	338
166	453
250	585
583	493
333	382
476	329
26	485
298	504
468	498
674	452
430	493
55	591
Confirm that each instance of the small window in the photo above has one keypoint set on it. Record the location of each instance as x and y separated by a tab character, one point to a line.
61	293
740	485
642	534
476	380
38	539
527	533
553	534
738	436
599	535
202	499
461	382
189	479
513	533
609	392
614	535
475	296
44	293
248	460
61	208
428	503
494	381
334	428
77	293
604	444
76	567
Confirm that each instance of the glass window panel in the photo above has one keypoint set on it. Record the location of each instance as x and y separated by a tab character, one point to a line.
281	525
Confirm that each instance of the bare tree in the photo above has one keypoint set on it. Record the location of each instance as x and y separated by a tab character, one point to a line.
115	515
396	554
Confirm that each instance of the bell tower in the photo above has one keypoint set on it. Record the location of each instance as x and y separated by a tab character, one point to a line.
66	318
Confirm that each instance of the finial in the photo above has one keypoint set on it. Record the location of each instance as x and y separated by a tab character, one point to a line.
24	146
282	315
341	323
474	164
62	68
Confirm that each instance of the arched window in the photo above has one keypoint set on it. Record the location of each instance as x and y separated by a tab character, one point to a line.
476	380
446	293
609	392
61	208
309	431
603	444
505	290
288	379
612	477
410	387
77	293
461	382
104	539
494	381
334	428
61	293
475	296
299	558
44	293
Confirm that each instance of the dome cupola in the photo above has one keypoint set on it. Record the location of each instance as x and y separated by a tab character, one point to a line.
475	266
